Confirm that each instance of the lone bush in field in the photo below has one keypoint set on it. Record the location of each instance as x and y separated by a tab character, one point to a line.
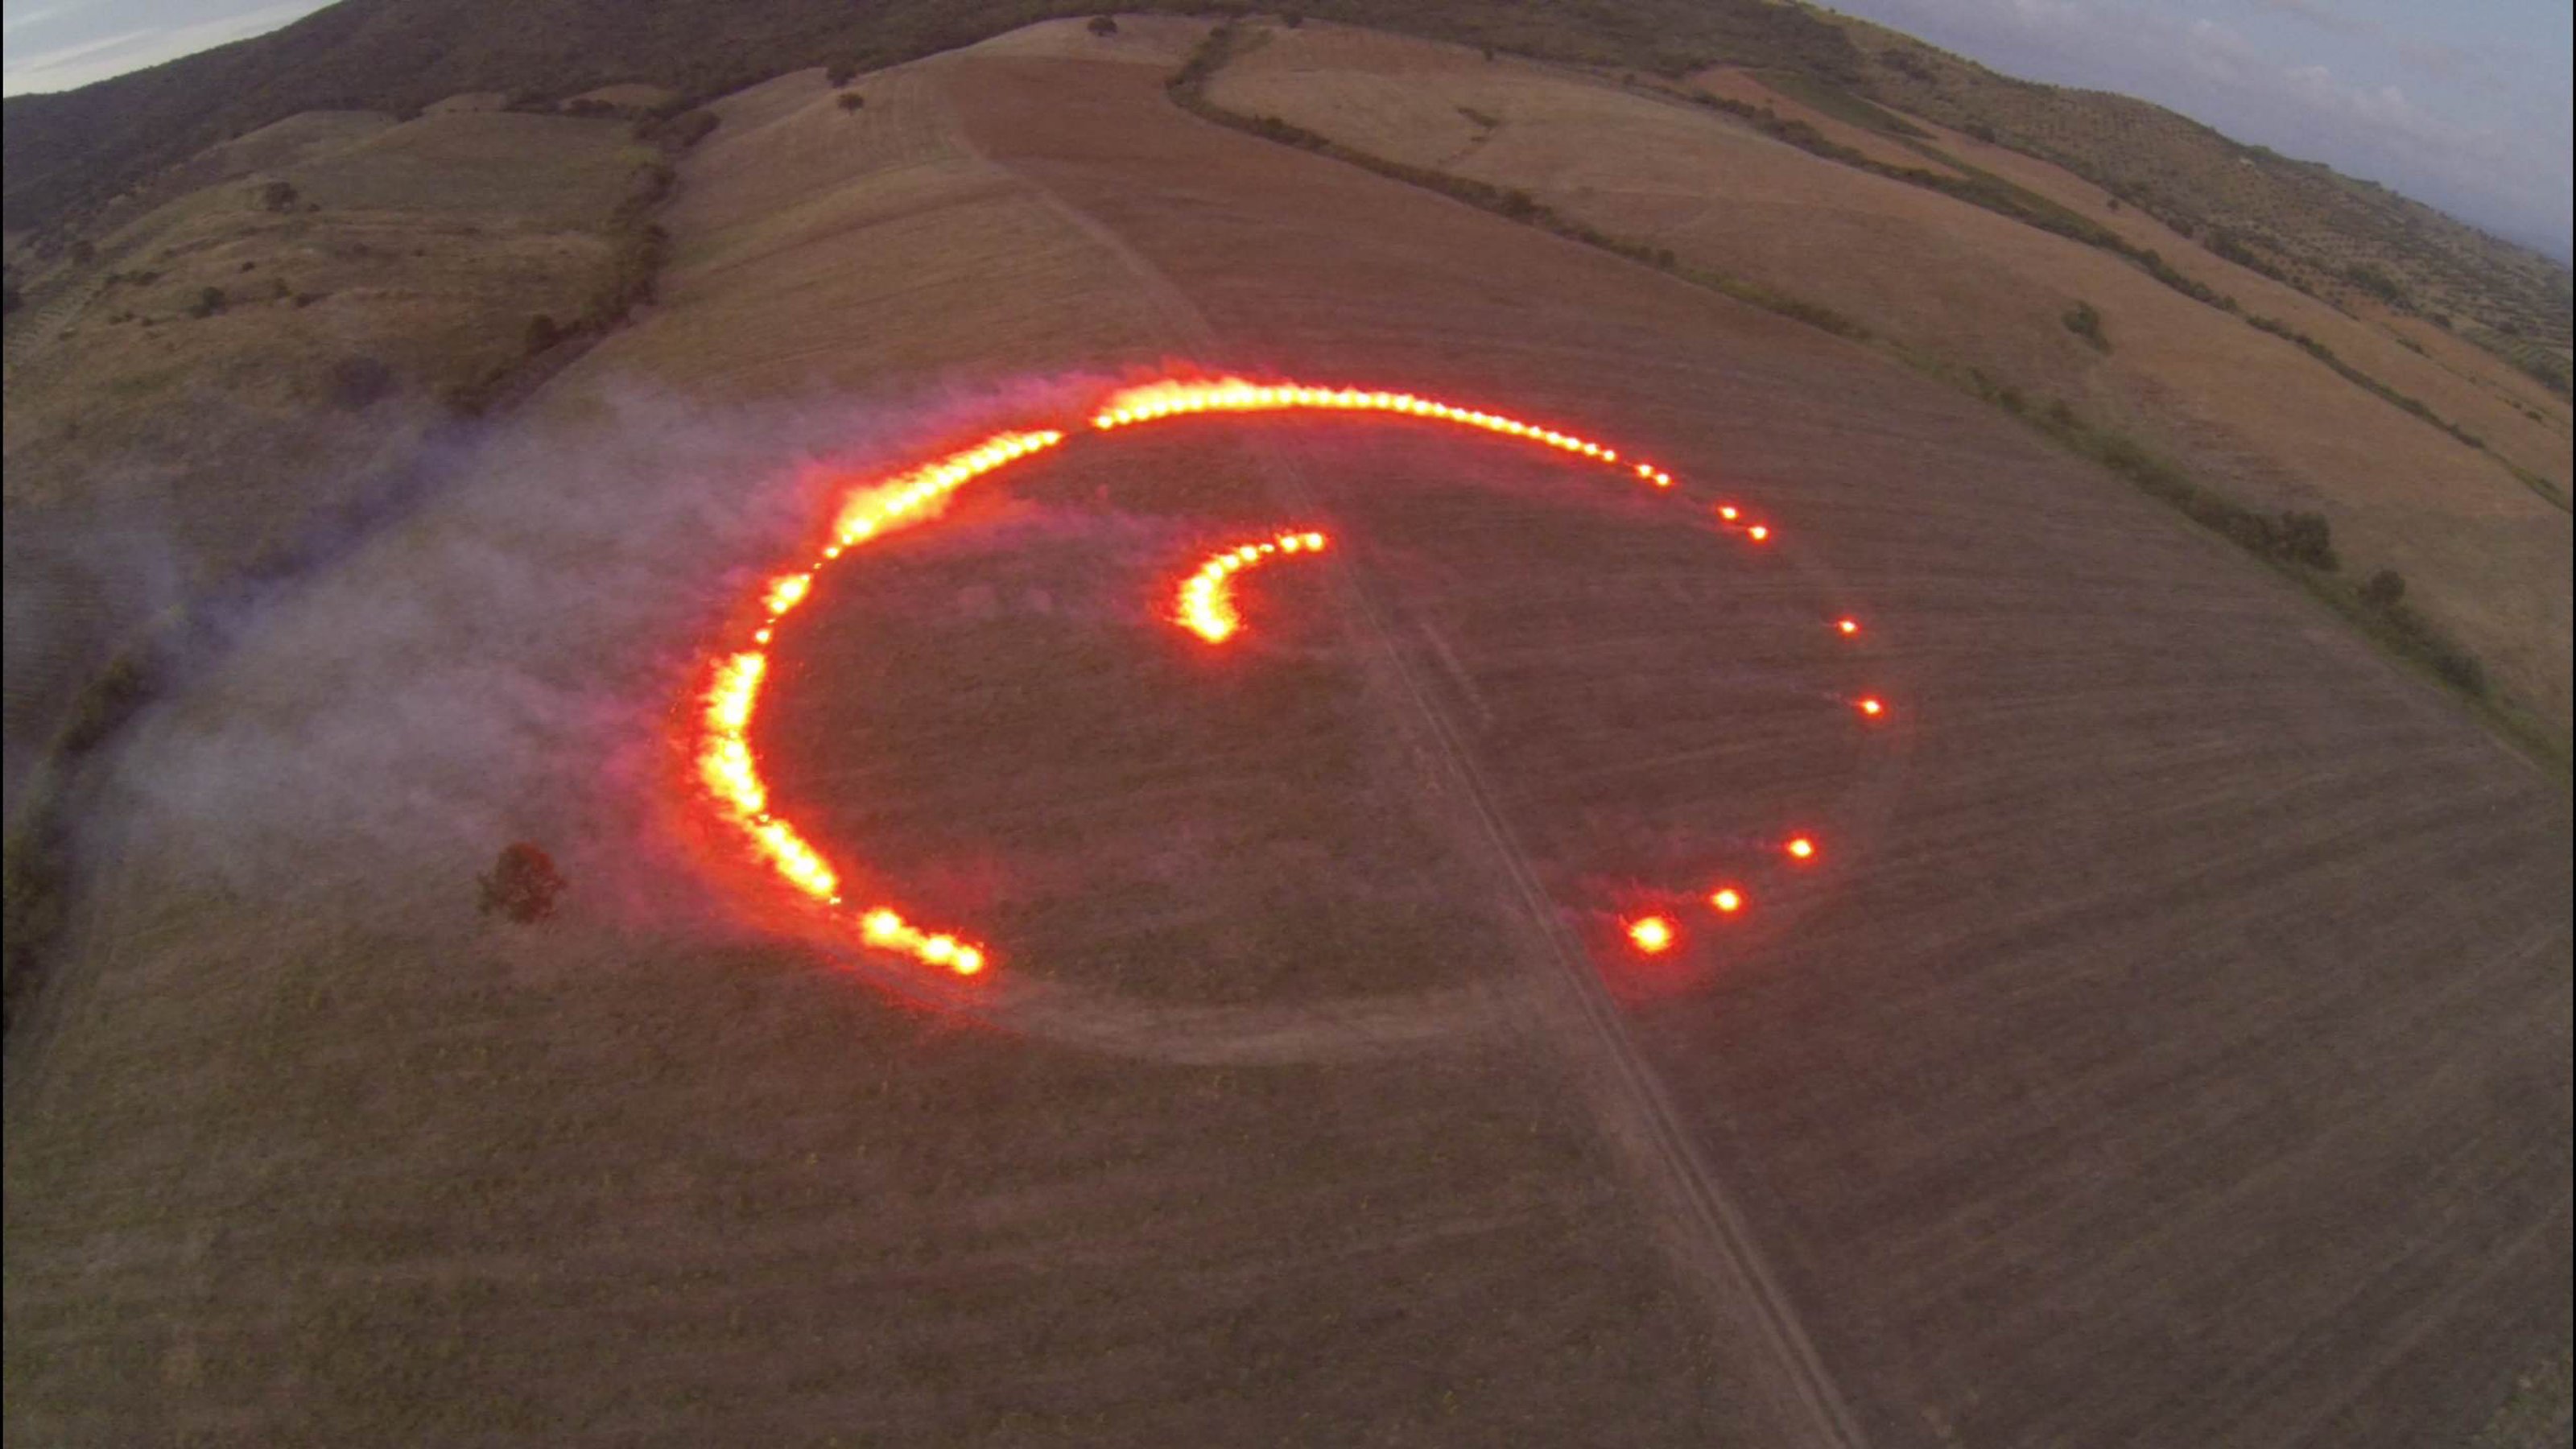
853	102
1103	25
209	302
2386	589
542	333
2305	538
523	884
2086	323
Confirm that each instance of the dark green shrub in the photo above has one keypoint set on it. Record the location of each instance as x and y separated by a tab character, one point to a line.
2085	322
853	102
2304	538
2385	590
1103	25
523	884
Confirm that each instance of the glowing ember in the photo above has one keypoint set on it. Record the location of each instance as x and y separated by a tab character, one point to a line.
1207	596
1653	935
1727	899
1757	533
1802	848
1872	708
1847	626
1728	511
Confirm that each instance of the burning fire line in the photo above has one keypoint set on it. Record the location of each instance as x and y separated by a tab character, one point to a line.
1155	401
726	764
1207	596
730	770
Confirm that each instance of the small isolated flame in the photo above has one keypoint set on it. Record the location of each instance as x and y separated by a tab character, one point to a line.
1847	626
1727	899
1872	707
1652	935
1207	596
1801	848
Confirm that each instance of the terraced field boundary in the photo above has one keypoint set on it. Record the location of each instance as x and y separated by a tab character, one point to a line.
2397	630
1982	188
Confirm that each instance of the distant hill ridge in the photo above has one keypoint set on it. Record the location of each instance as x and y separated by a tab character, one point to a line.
69	153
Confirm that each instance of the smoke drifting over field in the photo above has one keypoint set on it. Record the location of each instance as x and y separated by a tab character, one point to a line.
506	662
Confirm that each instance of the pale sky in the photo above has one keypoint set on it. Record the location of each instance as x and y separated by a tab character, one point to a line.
2464	105
60	45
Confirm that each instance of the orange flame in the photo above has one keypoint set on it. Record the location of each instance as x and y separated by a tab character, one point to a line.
1153	401
1653	935
1727	899
1207	596
730	769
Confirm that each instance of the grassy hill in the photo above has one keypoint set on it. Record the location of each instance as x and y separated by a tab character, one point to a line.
2350	242
2343	240
2452	470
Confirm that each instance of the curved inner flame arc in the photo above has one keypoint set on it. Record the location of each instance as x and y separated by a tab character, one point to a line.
1207	596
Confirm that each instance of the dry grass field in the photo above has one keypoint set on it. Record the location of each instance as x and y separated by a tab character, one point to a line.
2250	412
2169	1047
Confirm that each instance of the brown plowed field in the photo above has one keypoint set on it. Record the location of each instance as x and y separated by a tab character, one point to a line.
2170	1047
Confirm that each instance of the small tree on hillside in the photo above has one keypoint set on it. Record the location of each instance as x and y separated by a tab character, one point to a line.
854	102
2305	538
542	333
2085	322
522	885
2386	589
1103	25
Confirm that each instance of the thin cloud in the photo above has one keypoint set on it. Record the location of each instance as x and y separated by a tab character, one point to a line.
68	67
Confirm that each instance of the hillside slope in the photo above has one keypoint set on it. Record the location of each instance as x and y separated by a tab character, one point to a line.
246	369
67	154
1975	293
2350	242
